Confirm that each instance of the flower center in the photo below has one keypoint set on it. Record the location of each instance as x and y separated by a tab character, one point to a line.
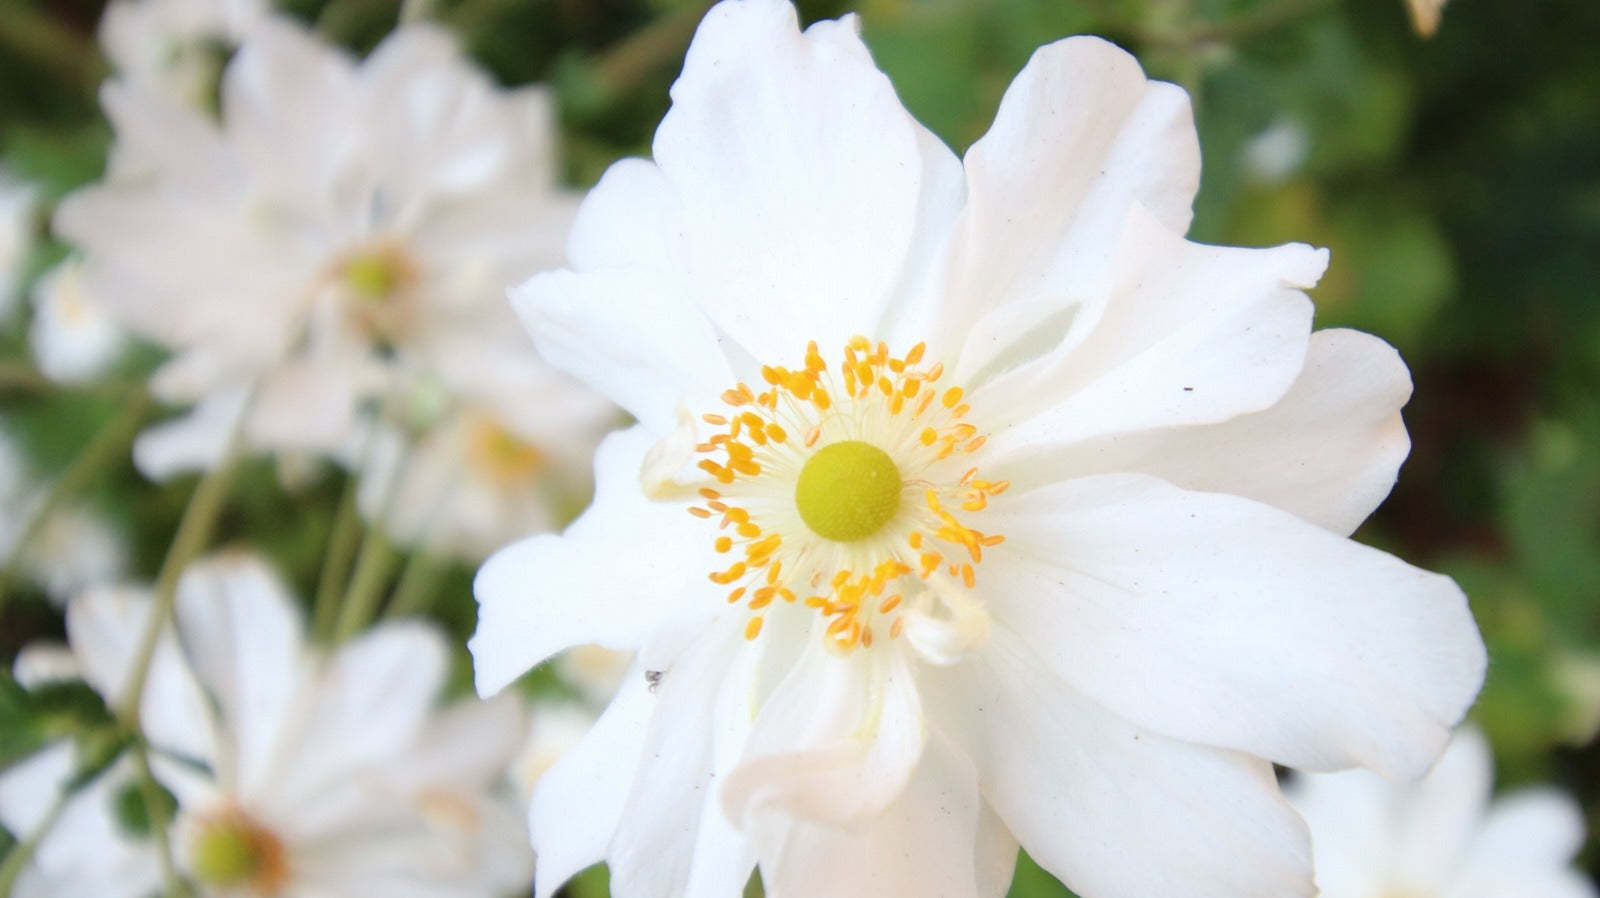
499	454
233	850
847	491
837	490
375	281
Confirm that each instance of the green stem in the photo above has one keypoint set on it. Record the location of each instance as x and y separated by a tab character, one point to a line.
33	34
374	567
19	855
194	533
661	43
336	561
418	581
109	444
155	808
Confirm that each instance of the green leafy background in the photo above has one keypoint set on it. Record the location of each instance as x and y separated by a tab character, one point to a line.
1456	180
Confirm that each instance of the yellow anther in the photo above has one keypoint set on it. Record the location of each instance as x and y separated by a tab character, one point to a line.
752	628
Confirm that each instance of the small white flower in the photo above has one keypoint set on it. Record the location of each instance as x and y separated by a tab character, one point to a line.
71	550
176	47
345	228
970	504
73	339
1425	15
298	774
1440	837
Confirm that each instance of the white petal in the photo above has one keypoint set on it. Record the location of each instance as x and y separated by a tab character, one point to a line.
1112	809
624	335
1189	334
1438	815
195	441
672	838
1080	137
1353	828
922	844
798	175
834	743
39	663
29	787
1220	620
243	637
1525	847
595	775
619	571
1328	451
997	854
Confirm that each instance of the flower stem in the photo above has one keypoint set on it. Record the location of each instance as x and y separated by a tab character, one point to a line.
149	791
194	533
19	855
336	561
109	444
374	567
418	581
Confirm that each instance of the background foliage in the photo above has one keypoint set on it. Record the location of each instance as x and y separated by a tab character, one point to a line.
1457	181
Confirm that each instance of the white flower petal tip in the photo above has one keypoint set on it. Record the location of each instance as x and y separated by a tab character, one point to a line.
1442	834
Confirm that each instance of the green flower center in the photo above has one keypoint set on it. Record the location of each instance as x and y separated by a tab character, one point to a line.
848	490
375	276
232	850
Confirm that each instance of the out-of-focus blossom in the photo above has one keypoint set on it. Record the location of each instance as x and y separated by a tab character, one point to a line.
1440	837
555	726
45	662
969	504
17	204
1277	152
299	774
494	468
594	671
73	549
176	47
346	228
72	337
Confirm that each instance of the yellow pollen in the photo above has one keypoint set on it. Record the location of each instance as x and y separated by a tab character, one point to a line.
851	516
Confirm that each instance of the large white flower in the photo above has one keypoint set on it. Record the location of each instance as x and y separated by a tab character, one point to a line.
970	504
299	774
345	230
1440	837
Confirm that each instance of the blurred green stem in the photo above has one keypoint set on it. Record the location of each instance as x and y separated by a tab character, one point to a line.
336	561
17	858
418	581
194	533
661	43
149	791
108	445
374	567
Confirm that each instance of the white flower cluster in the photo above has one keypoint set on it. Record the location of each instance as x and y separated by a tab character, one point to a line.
968	506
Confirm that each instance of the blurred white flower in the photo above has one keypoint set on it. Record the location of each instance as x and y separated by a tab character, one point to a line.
594	671
491	469
73	549
72	337
1440	837
1277	152
969	504
555	726
299	774
39	663
176	47
17	204
1425	15
345	228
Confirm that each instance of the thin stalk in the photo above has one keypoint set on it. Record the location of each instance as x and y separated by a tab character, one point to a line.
374	567
194	533
336	560
109	444
19	855
418	581
157	814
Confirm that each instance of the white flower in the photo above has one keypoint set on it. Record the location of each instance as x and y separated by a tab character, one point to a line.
176	47
73	339
298	774
17	203
969	504
1440	837
1425	15
344	229
555	727
497	467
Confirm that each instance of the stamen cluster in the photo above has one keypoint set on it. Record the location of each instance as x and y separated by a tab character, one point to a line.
858	585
